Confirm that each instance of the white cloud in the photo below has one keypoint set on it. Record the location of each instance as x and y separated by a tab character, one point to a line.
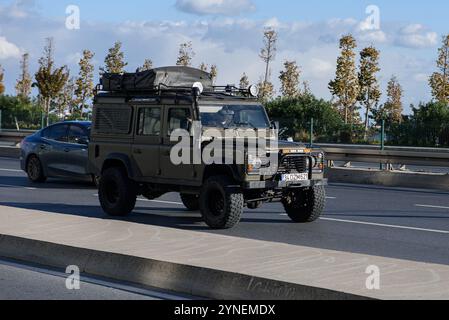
416	36
215	7
8	49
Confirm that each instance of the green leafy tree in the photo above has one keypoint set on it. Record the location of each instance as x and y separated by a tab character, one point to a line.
23	86
84	84
115	60
345	85
147	65
185	55
50	80
294	114
439	81
369	92
290	79
244	81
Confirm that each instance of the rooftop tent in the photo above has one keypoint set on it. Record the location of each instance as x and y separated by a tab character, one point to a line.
147	80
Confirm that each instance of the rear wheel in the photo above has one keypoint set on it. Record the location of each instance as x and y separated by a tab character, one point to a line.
191	201
35	171
220	206
117	193
305	205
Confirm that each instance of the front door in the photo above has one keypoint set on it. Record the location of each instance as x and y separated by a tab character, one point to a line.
176	117
147	141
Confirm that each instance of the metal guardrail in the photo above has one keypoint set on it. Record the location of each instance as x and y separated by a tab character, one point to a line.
432	157
14	135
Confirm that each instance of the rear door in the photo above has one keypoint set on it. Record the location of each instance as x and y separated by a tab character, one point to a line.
52	150
147	140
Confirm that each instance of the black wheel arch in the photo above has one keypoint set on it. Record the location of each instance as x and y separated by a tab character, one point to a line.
231	171
118	160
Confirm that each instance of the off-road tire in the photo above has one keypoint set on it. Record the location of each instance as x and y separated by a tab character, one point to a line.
304	206
35	171
191	201
117	193
220	206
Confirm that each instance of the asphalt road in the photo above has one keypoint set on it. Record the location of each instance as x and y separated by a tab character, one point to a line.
406	224
25	282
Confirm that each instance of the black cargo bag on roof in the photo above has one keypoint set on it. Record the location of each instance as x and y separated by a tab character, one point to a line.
151	79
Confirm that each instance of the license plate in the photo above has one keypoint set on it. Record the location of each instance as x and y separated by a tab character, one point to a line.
295	177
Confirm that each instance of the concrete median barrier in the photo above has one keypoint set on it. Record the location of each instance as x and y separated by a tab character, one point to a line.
196	281
417	180
207	264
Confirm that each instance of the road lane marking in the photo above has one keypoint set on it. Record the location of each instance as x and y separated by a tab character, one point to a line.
429	206
385	225
10	170
331	198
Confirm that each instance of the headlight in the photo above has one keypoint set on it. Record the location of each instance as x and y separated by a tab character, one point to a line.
254	163
318	161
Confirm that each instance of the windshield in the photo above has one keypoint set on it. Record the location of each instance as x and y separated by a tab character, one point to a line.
234	116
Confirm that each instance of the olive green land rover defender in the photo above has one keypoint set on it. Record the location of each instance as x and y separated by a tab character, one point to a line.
132	149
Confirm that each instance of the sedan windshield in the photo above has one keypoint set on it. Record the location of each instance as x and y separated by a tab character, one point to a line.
234	116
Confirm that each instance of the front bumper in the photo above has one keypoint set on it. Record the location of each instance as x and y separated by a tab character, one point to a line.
283	184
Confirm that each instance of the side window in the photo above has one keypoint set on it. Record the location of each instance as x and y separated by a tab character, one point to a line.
58	133
149	122
46	133
179	118
77	135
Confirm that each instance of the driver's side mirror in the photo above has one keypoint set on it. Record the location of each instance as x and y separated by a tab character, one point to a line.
274	125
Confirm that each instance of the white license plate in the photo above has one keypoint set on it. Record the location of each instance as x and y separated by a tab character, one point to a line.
295	177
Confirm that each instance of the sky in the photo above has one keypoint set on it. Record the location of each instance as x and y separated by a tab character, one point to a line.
228	33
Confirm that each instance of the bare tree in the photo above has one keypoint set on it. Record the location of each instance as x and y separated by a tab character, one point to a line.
23	86
185	55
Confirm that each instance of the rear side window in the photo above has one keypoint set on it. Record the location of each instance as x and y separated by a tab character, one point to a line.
149	122
58	133
113	119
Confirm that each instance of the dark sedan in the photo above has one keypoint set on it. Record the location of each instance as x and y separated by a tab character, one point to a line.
59	151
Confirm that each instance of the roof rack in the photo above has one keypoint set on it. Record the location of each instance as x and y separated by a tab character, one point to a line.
161	89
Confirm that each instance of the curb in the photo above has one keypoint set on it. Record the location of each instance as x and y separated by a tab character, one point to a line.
389	178
195	281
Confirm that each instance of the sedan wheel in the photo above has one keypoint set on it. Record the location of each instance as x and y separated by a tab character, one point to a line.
35	171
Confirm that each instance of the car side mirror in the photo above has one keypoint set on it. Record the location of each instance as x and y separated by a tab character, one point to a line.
83	141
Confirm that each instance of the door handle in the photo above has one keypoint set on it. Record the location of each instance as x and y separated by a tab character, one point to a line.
67	150
138	151
43	147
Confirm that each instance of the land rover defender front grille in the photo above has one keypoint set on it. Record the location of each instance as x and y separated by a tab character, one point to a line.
288	164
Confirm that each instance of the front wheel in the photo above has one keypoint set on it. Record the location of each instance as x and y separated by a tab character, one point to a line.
220	206
117	193
305	205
